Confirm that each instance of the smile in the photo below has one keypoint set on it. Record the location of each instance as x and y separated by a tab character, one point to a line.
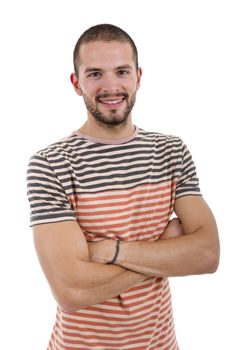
113	102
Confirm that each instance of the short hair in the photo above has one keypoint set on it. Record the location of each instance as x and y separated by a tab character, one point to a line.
103	32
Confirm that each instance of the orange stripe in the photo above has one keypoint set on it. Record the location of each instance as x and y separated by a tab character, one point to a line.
130	342
115	325
99	320
128	200
99	336
111	227
106	331
88	346
132	229
106	345
161	337
126	216
126	337
136	296
83	317
148	189
130	203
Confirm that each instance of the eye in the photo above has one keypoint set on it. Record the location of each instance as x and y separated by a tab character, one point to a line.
123	72
94	75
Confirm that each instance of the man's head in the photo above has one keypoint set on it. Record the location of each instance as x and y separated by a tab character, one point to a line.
106	74
106	33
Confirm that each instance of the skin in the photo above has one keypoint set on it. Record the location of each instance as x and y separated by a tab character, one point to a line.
195	251
77	271
108	71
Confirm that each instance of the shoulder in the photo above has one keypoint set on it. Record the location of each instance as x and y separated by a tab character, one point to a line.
161	140
62	147
60	150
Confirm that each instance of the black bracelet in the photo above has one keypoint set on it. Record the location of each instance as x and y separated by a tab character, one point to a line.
116	253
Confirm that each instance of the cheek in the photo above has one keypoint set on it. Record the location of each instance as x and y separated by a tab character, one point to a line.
132	85
88	88
91	90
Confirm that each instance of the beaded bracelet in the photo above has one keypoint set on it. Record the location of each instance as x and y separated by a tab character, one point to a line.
116	253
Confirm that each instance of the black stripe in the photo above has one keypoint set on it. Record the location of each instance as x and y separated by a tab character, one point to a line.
167	156
38	165
188	189
48	209
52	190
106	148
141	180
133	170
33	172
52	216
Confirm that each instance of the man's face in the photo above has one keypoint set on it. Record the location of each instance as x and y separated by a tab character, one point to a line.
108	81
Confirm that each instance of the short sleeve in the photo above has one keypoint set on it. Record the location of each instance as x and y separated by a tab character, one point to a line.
47	198
188	183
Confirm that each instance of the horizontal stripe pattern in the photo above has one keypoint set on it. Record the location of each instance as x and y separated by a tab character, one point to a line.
141	213
120	191
132	325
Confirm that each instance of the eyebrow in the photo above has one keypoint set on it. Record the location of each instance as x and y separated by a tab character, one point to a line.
90	69
126	66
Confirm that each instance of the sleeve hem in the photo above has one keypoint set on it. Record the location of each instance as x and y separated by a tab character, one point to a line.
188	194
51	221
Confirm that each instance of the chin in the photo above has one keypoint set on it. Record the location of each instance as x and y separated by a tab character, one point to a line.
115	121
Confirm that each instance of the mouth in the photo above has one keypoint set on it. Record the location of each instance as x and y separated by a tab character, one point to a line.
111	102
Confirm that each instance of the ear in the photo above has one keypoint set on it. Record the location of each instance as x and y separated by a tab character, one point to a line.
75	83
139	77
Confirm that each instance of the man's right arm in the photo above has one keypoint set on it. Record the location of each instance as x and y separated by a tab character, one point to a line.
75	281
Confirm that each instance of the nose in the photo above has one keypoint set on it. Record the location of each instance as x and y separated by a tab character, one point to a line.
110	83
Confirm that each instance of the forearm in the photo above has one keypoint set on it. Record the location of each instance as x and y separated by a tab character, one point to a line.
75	281
188	246
189	254
97	283
93	292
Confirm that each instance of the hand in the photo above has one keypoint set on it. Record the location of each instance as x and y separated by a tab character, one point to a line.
102	252
174	229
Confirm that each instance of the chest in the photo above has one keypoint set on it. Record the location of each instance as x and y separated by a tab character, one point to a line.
122	193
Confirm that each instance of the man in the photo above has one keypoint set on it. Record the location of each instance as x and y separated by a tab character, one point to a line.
101	200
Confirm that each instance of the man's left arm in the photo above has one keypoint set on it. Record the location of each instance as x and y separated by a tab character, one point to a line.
194	252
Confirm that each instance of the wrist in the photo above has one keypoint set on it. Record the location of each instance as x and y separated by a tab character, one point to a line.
116	254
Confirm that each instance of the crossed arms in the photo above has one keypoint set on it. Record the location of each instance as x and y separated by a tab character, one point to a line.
79	276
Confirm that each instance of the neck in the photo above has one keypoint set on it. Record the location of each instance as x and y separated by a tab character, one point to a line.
94	129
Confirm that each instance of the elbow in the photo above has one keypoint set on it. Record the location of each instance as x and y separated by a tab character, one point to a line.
68	299
212	258
67	306
214	263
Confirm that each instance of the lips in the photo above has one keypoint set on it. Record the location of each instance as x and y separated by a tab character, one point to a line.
111	101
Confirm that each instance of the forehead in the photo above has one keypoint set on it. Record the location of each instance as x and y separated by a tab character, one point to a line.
103	55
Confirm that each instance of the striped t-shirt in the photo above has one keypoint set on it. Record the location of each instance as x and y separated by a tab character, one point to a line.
118	189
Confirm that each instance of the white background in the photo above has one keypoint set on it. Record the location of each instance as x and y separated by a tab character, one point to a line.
185	50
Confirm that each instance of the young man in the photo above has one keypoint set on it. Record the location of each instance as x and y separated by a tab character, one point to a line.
101	200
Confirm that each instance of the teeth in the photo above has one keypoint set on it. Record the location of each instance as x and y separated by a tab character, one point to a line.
112	102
